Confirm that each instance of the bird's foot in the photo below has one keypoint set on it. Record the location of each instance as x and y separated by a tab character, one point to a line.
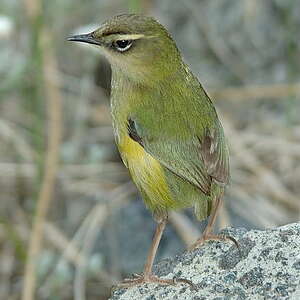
214	237
141	279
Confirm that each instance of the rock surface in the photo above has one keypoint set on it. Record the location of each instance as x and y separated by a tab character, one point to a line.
266	267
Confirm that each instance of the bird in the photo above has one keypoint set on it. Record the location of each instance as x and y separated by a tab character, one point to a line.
165	126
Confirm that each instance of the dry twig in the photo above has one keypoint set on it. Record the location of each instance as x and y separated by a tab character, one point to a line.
51	167
270	91
96	218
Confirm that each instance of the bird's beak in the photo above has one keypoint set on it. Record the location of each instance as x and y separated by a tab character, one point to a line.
84	38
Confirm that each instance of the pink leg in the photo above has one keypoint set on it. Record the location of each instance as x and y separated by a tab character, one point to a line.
207	234
147	276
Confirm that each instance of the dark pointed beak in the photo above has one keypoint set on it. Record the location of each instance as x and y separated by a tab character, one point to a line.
84	38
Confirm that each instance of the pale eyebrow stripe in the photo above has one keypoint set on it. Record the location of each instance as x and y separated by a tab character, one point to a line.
132	36
129	36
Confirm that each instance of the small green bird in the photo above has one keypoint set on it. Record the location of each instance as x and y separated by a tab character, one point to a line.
165	125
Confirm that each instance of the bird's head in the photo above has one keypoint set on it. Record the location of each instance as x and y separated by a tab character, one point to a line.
136	46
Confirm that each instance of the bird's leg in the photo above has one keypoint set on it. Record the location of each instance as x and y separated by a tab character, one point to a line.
147	276
153	249
207	233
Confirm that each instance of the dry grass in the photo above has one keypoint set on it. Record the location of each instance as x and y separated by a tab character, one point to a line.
55	217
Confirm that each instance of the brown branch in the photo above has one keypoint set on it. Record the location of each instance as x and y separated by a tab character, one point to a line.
32	8
270	91
53	98
267	178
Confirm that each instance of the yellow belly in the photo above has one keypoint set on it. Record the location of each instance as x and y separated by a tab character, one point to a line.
147	173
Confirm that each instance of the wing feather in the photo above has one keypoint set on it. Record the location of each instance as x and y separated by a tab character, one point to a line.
199	160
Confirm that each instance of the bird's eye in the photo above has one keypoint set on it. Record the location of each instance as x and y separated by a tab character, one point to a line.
122	45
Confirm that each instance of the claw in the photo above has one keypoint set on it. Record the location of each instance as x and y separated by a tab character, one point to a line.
221	237
127	279
141	279
183	280
136	276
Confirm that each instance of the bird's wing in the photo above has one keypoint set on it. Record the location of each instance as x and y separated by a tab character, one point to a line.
190	144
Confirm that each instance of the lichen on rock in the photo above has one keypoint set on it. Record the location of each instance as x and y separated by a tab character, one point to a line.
267	266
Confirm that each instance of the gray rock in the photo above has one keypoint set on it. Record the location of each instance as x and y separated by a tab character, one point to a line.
267	266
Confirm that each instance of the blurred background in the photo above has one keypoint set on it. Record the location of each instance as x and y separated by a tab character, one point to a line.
71	221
